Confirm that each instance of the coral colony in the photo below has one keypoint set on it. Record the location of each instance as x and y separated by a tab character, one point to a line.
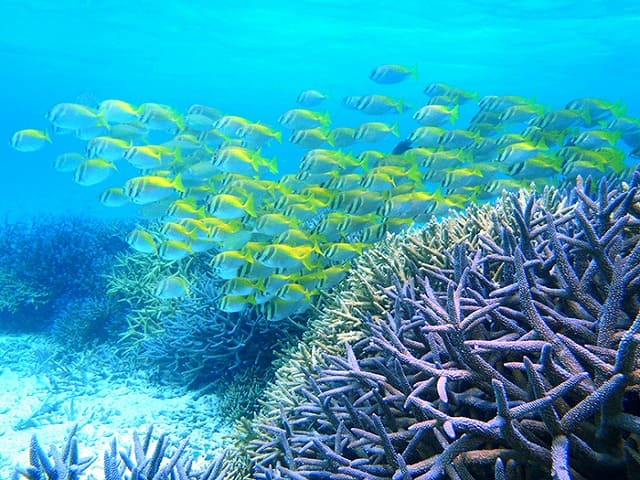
496	341
501	343
515	358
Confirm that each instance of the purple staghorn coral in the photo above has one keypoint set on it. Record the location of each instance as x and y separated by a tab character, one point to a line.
514	357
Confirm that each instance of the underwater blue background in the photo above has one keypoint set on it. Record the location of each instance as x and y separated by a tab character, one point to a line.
252	58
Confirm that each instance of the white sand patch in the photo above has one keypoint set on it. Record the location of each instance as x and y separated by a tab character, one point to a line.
33	400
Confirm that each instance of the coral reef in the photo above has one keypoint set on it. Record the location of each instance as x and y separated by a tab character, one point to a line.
510	353
46	262
148	461
83	321
190	341
200	344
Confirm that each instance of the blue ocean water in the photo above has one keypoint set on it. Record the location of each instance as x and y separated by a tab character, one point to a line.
252	58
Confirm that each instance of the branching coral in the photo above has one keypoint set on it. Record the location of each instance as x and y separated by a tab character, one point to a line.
189	340
200	344
513	354
49	261
84	321
148	461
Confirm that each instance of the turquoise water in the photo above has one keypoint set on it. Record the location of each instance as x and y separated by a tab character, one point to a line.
253	58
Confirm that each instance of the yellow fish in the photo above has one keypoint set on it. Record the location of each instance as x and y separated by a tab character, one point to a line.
29	140
151	188
93	171
171	287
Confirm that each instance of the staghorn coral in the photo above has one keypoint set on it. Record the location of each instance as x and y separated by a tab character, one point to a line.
189	341
510	354
147	462
338	318
84	321
46	262
200	344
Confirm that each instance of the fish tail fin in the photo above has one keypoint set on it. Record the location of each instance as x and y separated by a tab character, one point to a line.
272	164
414	72
177	183
414	174
278	136
325	119
455	114
619	109
249	206
395	129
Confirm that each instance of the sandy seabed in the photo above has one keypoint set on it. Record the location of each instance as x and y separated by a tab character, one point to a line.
42	396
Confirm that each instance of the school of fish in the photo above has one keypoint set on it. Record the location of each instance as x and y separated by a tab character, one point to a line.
278	241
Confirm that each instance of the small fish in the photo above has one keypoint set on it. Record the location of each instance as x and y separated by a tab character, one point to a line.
93	171
110	148
160	117
598	109
520	152
198	122
142	241
74	116
114	197
277	309
341	252
294	237
68	162
500	103
287	257
176	231
332	276
171	287
29	140
294	292
408	205
375	131
436	115
428	137
302	119
309	138
151	188
174	249
274	224
146	157
310	98
235	303
595	138
522	113
229	207
380	104
457	94
341	136
257	133
562	119
457	139
227	264
212	138
184	209
234	159
185	142
392	73
239	287
443	100
129	131
543	166
230	124
117	111
205	110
